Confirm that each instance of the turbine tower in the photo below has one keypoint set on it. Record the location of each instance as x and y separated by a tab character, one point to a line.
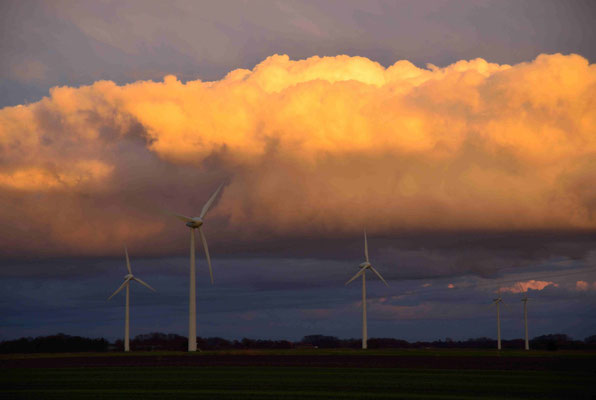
363	267
126	284
525	300
196	223
497	302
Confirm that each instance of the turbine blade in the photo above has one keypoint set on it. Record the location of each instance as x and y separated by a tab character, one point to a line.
120	288
379	275
206	253
366	247
143	283
210	201
356	276
180	216
127	260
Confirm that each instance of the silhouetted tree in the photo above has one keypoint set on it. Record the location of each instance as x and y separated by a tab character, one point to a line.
157	341
590	340
387	343
59	343
555	341
321	341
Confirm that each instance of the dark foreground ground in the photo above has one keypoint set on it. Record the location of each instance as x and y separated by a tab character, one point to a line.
418	374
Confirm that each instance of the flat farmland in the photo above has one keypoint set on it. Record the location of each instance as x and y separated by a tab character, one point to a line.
299	374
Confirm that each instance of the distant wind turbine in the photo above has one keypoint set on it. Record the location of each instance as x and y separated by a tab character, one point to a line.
497	302
525	300
196	223
127	278
363	267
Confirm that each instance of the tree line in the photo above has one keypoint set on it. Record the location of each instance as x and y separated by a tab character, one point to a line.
156	341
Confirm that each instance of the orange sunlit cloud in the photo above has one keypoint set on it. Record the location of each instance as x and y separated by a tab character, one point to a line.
583	286
36	178
327	143
522	287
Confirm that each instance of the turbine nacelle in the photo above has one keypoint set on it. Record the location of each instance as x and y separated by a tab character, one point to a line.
194	223
365	265
128	276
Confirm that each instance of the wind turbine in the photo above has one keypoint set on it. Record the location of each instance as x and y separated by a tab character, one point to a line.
196	223
525	300
363	267
126	284
497	302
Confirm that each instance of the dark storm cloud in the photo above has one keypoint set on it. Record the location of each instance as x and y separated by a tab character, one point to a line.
282	298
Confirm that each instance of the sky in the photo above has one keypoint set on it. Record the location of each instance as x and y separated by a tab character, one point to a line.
461	135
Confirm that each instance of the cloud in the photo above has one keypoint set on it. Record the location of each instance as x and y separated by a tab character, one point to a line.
583	286
425	310
29	71
522	287
322	146
35	178
317	313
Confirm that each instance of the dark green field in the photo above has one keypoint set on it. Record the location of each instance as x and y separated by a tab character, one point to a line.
143	376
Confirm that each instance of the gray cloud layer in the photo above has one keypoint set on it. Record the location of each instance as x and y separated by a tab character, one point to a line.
47	43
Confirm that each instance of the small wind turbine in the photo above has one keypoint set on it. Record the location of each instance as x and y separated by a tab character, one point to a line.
525	300
497	302
196	223
363	267
127	278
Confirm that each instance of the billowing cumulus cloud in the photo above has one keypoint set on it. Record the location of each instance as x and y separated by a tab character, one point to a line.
321	146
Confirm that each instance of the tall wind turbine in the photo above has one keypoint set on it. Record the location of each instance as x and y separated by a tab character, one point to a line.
196	223
127	278
498	302
525	300
363	267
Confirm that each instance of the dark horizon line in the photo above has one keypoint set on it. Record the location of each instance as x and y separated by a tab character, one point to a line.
558	335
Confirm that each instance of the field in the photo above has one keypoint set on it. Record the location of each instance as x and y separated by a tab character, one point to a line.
299	374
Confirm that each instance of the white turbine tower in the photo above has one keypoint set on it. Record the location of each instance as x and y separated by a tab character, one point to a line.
525	300
196	223
498	302
363	267
126	284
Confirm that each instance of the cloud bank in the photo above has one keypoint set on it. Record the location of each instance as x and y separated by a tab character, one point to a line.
313	147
